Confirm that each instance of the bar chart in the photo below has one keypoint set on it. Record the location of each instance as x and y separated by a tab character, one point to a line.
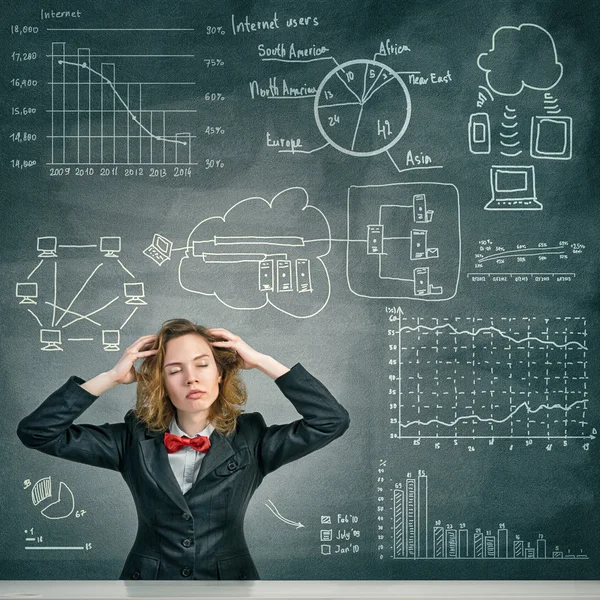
416	535
98	118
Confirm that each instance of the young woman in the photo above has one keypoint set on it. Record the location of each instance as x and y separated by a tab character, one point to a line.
190	457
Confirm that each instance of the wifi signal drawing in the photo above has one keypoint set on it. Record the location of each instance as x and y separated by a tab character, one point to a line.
481	98
551	104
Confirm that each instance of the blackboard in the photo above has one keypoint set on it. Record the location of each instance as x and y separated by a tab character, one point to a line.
402	196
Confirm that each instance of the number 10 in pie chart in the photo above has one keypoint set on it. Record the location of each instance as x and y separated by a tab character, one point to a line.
362	107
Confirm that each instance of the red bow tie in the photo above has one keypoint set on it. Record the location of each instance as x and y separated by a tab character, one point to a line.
173	442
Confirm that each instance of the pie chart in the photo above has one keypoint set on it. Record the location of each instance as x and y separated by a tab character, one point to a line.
362	107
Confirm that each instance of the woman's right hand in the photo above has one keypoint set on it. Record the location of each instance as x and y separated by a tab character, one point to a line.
124	371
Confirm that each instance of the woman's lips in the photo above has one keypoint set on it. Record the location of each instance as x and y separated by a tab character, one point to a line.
195	394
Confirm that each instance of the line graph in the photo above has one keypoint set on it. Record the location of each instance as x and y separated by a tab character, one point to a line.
98	119
540	262
507	378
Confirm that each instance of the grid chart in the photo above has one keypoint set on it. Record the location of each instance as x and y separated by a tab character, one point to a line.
416	536
97	120
521	377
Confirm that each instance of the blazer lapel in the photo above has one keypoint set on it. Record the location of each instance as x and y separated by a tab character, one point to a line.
220	450
156	458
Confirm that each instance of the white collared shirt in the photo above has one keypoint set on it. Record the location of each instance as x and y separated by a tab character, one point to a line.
186	462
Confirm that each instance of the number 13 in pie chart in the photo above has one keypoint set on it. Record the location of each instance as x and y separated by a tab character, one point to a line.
362	107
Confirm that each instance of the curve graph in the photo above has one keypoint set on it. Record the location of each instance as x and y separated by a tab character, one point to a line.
99	120
507	378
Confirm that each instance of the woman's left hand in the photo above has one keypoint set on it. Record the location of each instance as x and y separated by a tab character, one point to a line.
250	357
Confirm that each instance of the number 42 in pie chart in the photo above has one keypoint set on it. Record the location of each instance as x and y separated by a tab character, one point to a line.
362	107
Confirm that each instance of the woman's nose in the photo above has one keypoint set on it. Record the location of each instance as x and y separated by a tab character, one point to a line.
191	377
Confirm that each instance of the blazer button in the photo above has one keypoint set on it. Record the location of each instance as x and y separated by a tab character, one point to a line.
186	571
232	466
187	542
242	575
186	516
136	575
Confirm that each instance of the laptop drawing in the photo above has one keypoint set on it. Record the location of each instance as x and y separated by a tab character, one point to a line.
513	188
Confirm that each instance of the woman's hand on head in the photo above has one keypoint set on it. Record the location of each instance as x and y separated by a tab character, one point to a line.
124	371
250	357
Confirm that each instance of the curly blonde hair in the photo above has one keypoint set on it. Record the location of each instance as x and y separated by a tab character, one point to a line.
154	407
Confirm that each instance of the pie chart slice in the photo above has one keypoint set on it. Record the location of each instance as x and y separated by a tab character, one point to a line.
340	123
338	92
63	507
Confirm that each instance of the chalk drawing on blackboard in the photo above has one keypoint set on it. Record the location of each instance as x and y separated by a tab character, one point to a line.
542	251
261	252
134	292
551	137
525	263
483	98
87	97
75	284
513	188
110	246
417	535
271	506
362	107
510	378
551	104
62	507
509	136
41	490
521	57
480	133
159	250
356	109
111	338
51	340
404	241
46	246
27	292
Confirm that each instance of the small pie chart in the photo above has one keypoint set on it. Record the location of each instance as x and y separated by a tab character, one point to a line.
62	507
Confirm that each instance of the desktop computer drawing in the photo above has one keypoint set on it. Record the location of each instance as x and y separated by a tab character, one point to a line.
110	246
111	338
134	292
421	214
160	249
513	188
52	339
27	292
551	137
46	247
265	275
303	279
421	284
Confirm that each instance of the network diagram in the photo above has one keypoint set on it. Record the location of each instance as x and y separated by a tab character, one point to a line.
406	244
80	293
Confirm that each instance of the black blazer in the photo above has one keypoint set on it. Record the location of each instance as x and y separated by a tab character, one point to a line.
199	534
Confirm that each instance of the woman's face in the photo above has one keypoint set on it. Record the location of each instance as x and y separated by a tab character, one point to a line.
191	375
